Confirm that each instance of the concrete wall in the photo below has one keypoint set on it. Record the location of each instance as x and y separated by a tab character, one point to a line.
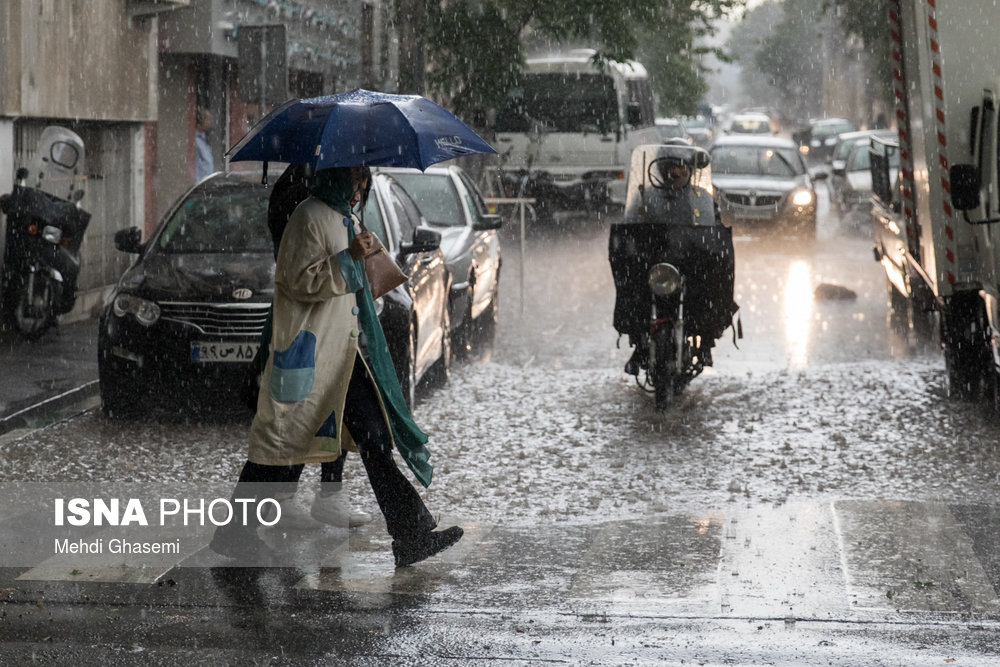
76	60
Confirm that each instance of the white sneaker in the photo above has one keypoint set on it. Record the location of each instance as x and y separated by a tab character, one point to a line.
294	517
334	510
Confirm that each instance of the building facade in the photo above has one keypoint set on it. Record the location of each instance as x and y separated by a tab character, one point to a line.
130	77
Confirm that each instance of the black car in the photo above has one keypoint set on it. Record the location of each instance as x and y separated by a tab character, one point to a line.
183	323
816	142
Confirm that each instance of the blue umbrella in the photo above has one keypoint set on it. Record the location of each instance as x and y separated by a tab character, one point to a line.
359	128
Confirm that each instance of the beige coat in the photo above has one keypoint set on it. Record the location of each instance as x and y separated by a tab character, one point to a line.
313	345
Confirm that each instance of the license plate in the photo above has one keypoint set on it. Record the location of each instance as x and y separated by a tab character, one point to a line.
754	213
202	352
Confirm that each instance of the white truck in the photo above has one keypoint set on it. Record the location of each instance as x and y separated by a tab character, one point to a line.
935	228
567	131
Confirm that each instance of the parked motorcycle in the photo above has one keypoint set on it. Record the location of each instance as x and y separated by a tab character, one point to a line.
45	227
674	269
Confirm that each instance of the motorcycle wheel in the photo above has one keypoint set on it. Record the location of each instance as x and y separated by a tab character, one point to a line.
660	354
33	312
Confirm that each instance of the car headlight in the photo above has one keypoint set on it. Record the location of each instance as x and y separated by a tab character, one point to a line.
145	312
664	279
52	234
802	198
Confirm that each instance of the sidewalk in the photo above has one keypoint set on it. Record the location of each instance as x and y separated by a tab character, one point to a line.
43	377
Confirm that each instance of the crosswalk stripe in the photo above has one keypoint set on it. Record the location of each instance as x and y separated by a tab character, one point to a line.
910	556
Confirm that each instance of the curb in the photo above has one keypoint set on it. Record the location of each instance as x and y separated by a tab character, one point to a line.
49	408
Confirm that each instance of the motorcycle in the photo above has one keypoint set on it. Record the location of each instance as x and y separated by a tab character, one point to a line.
673	265
45	227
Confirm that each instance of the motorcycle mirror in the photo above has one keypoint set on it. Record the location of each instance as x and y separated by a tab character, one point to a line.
701	159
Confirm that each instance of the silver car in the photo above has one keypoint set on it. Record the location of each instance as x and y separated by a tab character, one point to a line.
453	205
763	181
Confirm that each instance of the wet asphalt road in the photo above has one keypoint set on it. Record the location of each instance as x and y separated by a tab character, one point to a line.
813	499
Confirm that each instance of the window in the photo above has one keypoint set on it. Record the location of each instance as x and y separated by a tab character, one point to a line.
219	220
756	161
372	217
436	196
561	103
406	211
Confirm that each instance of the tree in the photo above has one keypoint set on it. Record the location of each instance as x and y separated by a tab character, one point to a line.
791	57
816	57
476	47
673	50
868	20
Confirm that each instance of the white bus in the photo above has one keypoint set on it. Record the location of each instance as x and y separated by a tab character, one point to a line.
566	132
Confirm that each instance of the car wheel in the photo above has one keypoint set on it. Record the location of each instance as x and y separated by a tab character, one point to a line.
120	396
34	313
967	354
441	370
486	323
463	337
406	368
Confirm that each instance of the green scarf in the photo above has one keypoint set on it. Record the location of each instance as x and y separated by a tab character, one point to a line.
410	440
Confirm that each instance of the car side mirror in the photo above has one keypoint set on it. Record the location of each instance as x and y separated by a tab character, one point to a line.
965	184
820	175
487	222
840	171
129	240
425	239
21	174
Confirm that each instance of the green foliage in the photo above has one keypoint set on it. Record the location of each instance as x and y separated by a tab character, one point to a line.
672	49
476	47
781	47
869	21
792	57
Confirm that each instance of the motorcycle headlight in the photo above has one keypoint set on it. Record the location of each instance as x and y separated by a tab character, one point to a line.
664	279
52	234
802	198
145	312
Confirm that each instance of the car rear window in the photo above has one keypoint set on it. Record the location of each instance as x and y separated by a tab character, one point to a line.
219	220
436	197
756	161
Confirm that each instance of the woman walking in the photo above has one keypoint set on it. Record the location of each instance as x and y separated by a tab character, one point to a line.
329	377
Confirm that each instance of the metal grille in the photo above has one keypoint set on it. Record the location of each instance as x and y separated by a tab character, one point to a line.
218	319
747	200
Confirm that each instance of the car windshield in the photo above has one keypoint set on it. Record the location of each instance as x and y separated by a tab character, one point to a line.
830	130
756	161
751	126
860	159
436	197
670	131
561	103
844	147
219	220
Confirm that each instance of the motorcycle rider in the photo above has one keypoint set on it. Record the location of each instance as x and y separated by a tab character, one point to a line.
674	200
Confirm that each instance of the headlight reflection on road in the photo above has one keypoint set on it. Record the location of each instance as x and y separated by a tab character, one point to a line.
798	312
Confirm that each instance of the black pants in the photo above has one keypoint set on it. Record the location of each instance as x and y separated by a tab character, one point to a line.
404	511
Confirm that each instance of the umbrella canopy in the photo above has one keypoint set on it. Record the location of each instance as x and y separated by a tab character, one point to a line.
359	128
